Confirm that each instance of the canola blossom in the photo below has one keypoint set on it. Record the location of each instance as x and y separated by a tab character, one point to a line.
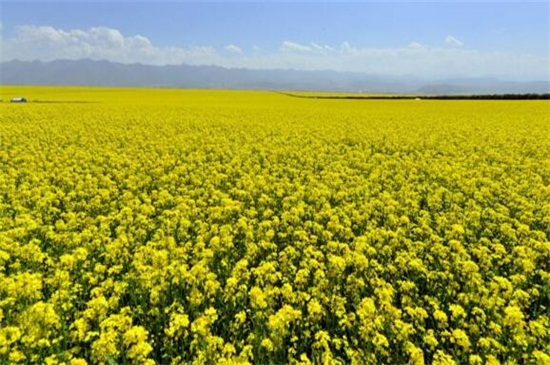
224	227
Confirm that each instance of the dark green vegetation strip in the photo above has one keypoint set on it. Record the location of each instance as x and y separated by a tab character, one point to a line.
428	97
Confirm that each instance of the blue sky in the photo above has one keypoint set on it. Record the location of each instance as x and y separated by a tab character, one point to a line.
443	39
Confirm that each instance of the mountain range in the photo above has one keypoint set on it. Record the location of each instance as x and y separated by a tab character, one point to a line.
104	73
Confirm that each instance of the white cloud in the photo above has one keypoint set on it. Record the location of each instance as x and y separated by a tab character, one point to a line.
322	48
316	46
48	43
288	46
415	45
453	42
231	48
347	48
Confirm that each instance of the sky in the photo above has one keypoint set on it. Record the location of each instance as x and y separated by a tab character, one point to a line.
425	39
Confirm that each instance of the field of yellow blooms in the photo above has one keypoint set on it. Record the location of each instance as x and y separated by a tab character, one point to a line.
223	227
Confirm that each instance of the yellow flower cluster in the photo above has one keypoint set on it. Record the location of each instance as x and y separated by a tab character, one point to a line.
175	227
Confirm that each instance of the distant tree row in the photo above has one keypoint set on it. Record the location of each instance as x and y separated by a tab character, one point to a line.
493	97
531	96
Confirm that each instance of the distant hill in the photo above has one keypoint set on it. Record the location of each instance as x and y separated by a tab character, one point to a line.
104	73
485	86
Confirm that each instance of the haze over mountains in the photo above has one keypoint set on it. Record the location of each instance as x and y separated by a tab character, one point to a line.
105	73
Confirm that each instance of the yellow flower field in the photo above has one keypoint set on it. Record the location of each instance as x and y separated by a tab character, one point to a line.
222	227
